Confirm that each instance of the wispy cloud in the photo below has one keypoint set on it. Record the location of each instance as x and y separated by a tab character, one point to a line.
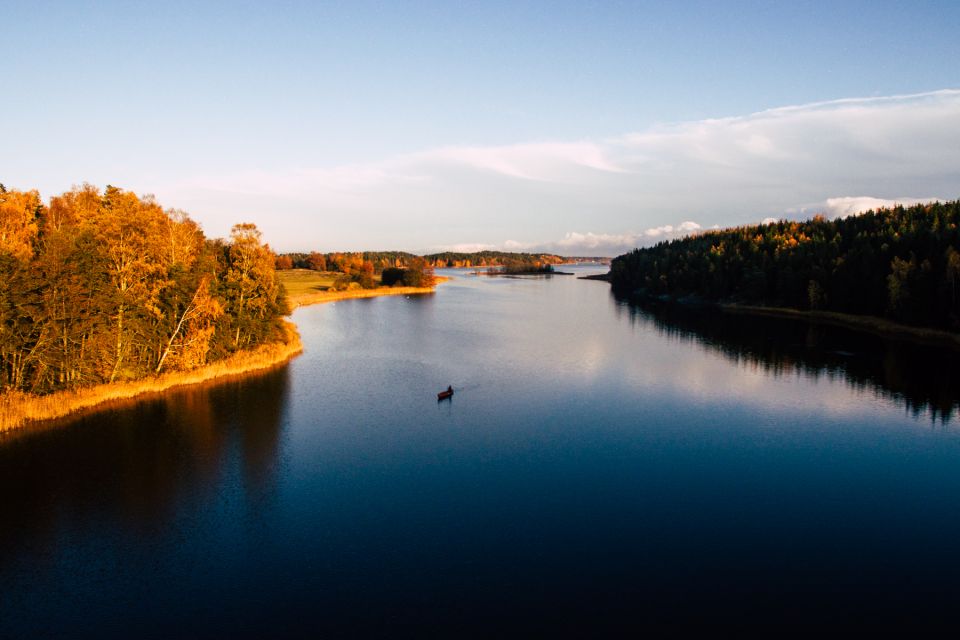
848	206
735	170
552	161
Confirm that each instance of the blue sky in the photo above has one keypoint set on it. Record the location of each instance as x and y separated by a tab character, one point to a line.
582	127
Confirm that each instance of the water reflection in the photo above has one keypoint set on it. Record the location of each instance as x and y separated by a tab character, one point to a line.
925	380
143	465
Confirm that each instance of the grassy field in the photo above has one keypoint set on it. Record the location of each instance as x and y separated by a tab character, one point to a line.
306	287
301	282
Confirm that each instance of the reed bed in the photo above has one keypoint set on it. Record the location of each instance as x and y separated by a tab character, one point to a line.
18	408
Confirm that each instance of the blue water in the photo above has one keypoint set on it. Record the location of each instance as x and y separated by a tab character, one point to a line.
601	467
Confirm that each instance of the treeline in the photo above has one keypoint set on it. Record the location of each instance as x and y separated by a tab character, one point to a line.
519	260
347	262
399	268
902	263
102	287
521	267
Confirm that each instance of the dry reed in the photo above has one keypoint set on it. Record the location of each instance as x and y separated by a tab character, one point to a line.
18	408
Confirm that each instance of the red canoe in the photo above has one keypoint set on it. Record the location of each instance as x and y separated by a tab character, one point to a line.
443	395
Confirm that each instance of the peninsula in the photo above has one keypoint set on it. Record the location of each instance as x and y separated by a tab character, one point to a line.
106	295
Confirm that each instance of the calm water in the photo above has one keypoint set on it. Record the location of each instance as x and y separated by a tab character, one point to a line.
600	467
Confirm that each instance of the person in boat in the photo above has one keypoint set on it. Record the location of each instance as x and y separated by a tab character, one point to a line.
450	389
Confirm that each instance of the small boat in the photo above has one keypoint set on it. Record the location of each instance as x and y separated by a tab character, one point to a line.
443	395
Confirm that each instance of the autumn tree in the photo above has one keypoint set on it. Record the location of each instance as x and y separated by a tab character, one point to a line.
419	274
134	252
254	294
19	215
317	261
105	286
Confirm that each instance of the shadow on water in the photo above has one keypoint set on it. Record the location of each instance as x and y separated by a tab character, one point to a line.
923	379
137	465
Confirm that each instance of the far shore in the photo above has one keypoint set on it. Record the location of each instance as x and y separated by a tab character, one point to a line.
870	324
17	409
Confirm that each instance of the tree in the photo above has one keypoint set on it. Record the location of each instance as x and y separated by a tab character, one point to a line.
190	339
317	261
254	293
899	284
364	276
19	214
816	296
129	234
419	274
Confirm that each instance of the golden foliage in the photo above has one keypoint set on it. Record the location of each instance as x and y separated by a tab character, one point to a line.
19	211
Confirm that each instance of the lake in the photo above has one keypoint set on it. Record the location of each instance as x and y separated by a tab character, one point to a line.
601	467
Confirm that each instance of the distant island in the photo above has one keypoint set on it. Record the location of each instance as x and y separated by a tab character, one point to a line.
107	295
885	269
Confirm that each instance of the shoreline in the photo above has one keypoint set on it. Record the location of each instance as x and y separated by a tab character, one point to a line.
603	277
321	297
19	409
869	324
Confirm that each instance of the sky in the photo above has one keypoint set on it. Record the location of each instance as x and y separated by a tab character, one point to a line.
576	127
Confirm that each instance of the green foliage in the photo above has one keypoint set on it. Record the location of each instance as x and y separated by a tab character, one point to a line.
523	267
901	263
392	276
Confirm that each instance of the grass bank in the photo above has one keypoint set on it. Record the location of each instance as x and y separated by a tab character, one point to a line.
18	408
306	287
870	324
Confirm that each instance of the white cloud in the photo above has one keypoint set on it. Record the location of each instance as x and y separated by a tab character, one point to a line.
848	206
576	243
724	171
610	244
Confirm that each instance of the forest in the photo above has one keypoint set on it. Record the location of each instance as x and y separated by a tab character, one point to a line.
99	287
901	263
